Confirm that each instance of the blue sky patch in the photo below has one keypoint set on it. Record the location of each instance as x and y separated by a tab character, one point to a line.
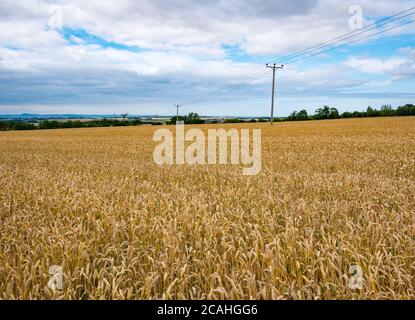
72	35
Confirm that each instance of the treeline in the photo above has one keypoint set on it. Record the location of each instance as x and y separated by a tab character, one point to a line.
332	113
47	124
245	121
191	118
325	112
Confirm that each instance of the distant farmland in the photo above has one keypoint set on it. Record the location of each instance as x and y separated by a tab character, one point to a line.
331	194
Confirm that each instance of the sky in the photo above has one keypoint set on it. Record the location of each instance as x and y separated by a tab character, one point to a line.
142	57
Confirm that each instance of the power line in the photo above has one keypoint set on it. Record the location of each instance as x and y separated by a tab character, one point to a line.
230	87
324	44
244	78
252	79
354	41
307	53
306	56
342	37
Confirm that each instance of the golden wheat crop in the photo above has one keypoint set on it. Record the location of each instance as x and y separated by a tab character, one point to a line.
330	194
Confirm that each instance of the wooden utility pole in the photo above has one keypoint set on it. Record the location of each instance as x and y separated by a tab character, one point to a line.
177	111
274	67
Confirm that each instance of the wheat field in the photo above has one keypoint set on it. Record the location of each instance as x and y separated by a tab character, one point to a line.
331	194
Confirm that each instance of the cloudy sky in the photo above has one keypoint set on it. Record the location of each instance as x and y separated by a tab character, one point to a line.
143	56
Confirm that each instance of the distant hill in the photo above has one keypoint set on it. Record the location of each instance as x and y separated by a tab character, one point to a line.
35	116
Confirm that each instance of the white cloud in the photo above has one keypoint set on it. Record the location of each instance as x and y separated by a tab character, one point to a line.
260	27
399	68
181	46
377	66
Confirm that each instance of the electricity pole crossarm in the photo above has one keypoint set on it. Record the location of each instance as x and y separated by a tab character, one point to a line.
274	67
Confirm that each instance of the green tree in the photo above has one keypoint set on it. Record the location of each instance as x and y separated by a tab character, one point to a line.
298	116
193	118
175	119
406	110
334	113
302	115
346	114
233	120
370	112
292	116
386	110
323	113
